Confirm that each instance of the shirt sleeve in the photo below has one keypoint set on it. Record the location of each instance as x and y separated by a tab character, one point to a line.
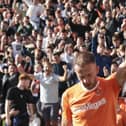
113	83
10	94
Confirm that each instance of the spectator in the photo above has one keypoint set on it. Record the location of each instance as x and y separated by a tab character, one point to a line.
91	11
116	41
67	56
121	115
17	45
4	42
49	38
58	69
114	67
49	93
101	52
14	24
19	101
9	80
25	28
111	23
36	119
34	11
49	52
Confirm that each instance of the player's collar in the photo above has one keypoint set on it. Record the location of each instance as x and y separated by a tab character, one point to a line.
89	90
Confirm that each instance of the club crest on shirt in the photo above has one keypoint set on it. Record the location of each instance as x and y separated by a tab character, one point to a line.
98	91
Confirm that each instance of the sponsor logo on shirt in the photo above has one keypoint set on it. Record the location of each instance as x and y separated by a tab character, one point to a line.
90	106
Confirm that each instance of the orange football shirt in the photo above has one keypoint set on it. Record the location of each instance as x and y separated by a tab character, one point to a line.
91	108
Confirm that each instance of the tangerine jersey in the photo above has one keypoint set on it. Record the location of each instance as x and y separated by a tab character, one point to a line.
91	108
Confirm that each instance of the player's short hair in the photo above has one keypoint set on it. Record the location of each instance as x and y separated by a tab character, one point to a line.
84	58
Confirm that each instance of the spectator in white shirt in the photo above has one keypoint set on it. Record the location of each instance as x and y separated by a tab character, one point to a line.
35	8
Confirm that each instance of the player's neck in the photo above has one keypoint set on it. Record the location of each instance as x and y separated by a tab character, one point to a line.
89	89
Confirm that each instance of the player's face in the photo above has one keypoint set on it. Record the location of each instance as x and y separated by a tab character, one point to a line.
87	74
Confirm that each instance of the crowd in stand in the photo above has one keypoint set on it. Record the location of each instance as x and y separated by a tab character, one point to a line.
42	38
